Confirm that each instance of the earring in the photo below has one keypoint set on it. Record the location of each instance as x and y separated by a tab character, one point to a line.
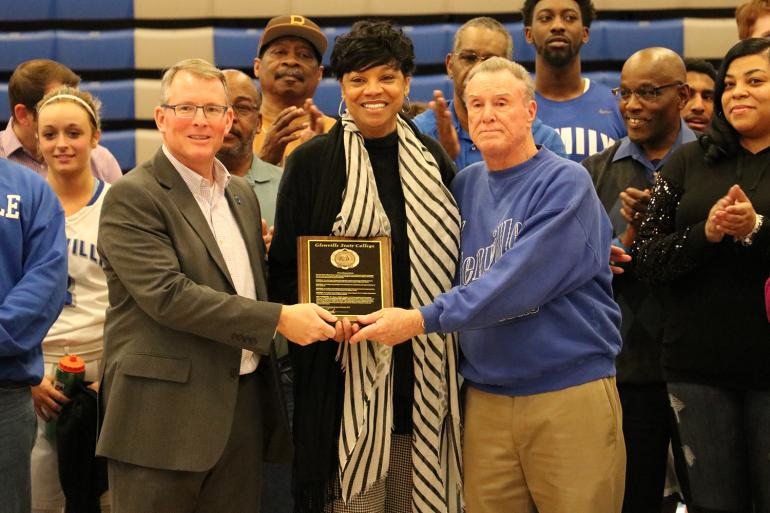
340	112
406	105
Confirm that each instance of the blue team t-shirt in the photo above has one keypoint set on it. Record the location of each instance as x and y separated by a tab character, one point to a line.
587	124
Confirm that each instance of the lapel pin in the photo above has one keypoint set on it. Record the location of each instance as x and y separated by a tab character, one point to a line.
237	199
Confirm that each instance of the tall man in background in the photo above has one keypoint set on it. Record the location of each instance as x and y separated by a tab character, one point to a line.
583	112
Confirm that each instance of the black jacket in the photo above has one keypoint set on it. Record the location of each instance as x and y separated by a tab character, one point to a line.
83	476
716	329
639	360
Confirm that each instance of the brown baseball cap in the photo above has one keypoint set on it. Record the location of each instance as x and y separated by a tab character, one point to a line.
293	25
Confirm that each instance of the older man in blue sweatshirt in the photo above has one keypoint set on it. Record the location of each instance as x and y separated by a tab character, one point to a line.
538	326
33	280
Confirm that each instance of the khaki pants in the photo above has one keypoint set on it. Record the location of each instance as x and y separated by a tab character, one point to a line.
559	452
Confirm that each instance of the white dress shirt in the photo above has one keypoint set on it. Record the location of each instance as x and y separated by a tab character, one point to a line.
213	204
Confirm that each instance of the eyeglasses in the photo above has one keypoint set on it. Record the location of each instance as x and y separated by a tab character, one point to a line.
188	110
471	58
646	92
245	109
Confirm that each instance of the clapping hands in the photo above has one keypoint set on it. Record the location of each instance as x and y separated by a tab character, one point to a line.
732	214
284	131
447	135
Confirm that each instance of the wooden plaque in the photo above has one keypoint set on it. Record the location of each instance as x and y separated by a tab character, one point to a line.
347	276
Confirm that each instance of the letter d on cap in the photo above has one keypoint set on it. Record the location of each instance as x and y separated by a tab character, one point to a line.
297	20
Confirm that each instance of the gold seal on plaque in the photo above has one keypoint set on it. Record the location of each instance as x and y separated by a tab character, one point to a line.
345	258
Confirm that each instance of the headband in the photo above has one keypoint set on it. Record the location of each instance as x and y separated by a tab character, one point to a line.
71	97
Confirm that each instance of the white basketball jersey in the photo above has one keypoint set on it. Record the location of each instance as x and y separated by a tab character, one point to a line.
80	327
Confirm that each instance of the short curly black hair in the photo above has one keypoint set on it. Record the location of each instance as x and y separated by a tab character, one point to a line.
701	66
587	11
369	44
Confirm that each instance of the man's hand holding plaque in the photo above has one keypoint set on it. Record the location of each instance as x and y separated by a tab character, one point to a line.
304	324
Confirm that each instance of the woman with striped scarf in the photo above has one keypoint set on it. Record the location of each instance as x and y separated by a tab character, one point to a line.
376	429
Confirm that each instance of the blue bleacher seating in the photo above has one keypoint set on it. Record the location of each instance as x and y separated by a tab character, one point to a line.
331	34
93	9
609	78
122	144
327	96
421	88
18	10
18	47
235	48
597	44
431	42
522	51
246	9
622	38
95	50
117	97
5	108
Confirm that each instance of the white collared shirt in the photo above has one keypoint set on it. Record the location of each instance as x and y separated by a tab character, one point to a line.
210	197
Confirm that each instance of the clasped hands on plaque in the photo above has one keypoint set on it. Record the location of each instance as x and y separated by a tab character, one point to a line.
306	323
389	326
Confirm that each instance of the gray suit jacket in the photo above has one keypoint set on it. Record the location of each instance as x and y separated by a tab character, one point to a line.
175	326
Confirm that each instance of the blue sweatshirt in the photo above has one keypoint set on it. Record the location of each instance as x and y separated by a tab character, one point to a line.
533	303
33	274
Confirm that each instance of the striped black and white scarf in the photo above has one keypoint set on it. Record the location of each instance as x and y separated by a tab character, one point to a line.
433	232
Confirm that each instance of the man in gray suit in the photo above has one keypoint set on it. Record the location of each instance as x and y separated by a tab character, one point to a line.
190	393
